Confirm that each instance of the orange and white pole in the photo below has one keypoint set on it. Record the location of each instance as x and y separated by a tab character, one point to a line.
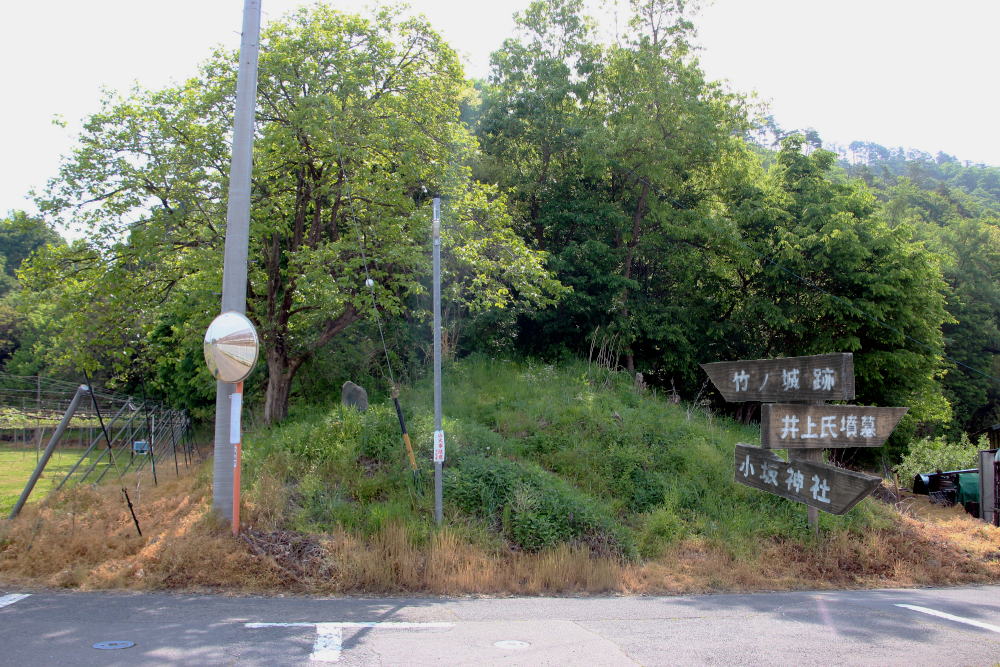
235	439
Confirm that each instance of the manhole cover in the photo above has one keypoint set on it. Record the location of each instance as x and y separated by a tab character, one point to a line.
111	646
511	643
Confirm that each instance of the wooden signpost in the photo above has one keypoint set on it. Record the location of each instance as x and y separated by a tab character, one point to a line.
804	425
785	425
818	485
822	377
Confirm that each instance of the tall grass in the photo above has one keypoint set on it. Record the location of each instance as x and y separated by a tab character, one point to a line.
84	538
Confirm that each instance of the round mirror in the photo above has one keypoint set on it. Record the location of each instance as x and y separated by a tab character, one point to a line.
231	347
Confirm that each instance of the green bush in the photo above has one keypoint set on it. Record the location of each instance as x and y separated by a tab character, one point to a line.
932	454
321	505
661	528
379	437
533	508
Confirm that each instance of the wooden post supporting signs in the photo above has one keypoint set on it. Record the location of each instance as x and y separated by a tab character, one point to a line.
802	423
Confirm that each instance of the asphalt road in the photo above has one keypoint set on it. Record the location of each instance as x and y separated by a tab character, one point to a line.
951	627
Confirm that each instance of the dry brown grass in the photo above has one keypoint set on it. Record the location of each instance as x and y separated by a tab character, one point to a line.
86	540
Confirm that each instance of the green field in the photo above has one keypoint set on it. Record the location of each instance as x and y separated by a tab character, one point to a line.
16	466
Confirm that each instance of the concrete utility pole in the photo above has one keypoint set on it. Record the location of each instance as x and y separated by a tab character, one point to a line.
438	431
234	271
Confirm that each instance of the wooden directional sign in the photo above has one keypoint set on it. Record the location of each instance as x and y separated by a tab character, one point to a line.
821	377
784	426
818	485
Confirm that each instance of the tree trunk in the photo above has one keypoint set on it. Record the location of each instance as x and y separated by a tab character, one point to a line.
637	217
279	383
281	367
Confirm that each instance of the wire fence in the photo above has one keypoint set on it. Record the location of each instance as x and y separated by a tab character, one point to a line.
107	433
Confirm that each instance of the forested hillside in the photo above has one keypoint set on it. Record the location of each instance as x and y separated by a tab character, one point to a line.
955	209
600	198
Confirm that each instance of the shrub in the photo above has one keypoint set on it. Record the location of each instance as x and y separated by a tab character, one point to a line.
533	508
661	528
931	454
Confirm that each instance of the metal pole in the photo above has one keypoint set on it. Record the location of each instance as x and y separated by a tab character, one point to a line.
439	432
39	431
67	417
150	428
185	441
234	271
173	441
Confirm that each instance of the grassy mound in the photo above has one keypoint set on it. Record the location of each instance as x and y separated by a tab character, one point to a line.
558	480
537	456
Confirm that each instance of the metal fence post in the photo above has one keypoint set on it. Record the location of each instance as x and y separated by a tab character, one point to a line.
67	417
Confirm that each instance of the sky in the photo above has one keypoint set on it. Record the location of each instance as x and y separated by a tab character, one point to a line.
913	73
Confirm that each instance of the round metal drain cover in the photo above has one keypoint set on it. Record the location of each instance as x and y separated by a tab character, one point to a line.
511	643
111	646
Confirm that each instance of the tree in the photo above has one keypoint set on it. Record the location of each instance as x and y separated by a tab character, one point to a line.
536	106
667	128
969	250
357	124
972	270
822	272
608	149
20	236
954	217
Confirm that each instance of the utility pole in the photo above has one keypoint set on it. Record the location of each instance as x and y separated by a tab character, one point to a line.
438	431
234	270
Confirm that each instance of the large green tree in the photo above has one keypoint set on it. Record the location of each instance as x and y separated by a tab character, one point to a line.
539	106
20	236
667	129
357	125
967	241
815	268
972	269
611	149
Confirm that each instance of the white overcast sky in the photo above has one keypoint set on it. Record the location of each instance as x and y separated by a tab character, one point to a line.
916	73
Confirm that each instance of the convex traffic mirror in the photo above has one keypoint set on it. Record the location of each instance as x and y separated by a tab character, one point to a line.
231	347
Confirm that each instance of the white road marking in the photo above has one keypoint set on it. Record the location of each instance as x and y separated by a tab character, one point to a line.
951	617
329	642
7	600
330	636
